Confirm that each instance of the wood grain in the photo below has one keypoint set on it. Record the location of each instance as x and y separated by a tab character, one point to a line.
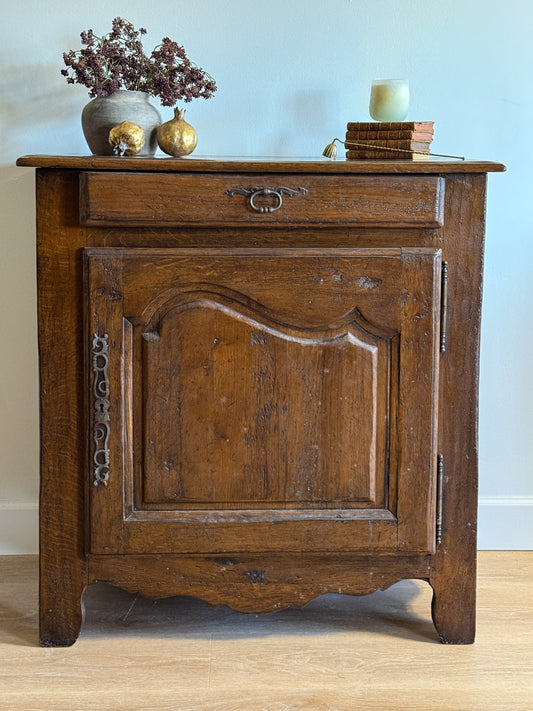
258	165
62	400
239	403
454	565
161	285
192	199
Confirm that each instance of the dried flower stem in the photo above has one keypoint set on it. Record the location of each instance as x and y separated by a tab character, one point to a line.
117	61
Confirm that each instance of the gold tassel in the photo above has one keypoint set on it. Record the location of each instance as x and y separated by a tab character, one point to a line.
330	151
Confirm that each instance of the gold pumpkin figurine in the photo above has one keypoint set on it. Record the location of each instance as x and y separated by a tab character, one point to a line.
126	139
177	137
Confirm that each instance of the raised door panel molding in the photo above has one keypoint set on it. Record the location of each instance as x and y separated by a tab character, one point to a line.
241	410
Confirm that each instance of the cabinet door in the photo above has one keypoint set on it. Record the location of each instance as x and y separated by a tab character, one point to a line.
262	399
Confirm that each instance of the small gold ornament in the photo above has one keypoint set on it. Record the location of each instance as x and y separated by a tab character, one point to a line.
177	137
127	139
330	151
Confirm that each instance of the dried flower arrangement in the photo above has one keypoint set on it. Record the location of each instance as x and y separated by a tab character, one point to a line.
117	61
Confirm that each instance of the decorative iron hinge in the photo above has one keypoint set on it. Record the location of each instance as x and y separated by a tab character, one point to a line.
440	496
101	421
443	306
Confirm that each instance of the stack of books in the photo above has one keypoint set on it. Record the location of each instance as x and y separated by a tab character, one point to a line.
377	140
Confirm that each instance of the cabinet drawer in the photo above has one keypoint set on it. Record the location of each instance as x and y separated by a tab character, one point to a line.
264	200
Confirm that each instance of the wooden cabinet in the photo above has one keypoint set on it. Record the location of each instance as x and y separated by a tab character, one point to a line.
258	380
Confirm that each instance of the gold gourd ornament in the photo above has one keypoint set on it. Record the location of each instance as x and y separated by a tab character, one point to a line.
127	139
177	137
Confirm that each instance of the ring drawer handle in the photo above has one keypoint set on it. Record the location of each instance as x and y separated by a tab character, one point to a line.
266	192
255	192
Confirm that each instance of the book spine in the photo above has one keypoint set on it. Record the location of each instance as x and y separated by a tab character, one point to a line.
368	154
424	126
389	135
404	145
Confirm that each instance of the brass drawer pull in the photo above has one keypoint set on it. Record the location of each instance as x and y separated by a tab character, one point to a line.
277	193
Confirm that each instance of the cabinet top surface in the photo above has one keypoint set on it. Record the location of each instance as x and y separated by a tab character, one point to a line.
252	165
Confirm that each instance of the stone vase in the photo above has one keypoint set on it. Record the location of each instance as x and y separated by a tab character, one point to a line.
101	114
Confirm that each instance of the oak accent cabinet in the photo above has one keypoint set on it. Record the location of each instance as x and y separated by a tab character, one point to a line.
258	380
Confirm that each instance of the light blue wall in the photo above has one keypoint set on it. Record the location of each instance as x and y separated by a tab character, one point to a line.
290	75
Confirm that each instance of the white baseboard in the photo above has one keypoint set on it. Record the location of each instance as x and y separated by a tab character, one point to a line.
504	523
19	527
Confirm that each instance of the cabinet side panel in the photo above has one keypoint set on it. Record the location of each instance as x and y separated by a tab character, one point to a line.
453	574
63	571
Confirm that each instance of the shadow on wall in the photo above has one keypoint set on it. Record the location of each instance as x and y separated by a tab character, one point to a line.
31	93
41	113
36	108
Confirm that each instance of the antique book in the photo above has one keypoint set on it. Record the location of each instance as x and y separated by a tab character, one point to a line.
405	144
377	154
392	135
379	126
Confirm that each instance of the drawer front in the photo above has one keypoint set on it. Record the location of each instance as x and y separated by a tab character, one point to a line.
264	200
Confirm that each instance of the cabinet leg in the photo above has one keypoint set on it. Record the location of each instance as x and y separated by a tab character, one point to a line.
453	609
59	626
61	609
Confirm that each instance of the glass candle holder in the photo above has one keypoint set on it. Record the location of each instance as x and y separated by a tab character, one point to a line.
389	99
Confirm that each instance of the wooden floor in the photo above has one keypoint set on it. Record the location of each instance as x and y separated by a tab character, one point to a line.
339	653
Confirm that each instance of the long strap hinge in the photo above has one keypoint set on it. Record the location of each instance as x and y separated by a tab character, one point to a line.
443	306
440	498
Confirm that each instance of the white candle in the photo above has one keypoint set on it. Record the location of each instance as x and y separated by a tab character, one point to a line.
389	99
